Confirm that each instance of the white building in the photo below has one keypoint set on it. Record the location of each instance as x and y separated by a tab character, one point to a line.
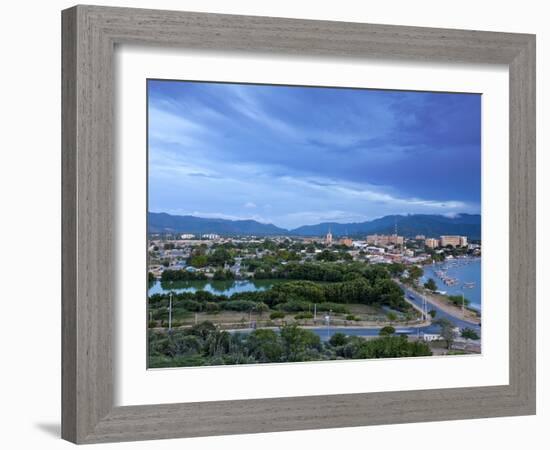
429	337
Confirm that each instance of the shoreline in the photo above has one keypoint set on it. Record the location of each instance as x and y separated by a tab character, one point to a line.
439	301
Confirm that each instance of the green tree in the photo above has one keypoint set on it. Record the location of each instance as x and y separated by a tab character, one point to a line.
298	343
220	257
430	284
432	313
458	299
469	333
415	272
277	315
265	345
396	269
388	330
446	331
338	339
198	260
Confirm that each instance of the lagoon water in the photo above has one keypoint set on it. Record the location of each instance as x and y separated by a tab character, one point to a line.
226	288
466	271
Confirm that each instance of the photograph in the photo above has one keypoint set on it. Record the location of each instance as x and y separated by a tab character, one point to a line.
290	224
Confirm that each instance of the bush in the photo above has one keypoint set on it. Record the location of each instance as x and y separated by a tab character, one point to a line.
457	300
238	305
294	306
211	307
352	317
338	339
334	307
303	315
468	333
277	315
386	331
430	284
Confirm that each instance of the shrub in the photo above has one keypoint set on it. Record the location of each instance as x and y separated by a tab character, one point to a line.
386	331
338	339
303	315
277	315
294	306
468	333
334	307
352	317
211	307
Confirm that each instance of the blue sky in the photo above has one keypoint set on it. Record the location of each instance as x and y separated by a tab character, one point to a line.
295	156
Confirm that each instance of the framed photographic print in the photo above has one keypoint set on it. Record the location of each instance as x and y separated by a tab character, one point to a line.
278	224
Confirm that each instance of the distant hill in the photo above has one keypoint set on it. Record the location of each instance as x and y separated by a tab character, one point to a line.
410	226
166	223
431	225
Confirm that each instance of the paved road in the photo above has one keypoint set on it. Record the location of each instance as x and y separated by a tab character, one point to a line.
413	297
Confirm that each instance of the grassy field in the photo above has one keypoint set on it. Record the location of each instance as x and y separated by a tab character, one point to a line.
357	315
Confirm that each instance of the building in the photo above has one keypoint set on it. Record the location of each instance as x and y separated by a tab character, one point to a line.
455	241
211	236
346	241
420	237
377	250
328	238
431	243
385	239
430	337
187	236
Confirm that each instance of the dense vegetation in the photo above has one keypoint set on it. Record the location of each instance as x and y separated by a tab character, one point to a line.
329	272
170	275
370	286
204	344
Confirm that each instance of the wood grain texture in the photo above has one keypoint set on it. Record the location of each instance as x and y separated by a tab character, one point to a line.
89	36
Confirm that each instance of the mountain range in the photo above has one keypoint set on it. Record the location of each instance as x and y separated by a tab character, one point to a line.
430	225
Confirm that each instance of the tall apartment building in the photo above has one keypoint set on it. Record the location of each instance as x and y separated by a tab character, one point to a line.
431	243
455	241
346	241
385	239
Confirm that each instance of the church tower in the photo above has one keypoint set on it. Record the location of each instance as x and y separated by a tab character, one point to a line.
328	238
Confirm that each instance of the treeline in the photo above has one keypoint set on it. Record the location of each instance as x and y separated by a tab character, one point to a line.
328	272
170	275
293	296
204	344
218	258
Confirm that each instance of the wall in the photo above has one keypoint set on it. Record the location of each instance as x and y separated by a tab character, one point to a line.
30	229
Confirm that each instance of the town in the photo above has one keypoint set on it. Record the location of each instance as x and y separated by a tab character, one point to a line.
338	289
247	257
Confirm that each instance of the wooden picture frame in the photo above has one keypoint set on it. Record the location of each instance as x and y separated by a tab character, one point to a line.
90	34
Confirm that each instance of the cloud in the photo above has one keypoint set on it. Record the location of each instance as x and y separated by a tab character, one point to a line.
311	154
